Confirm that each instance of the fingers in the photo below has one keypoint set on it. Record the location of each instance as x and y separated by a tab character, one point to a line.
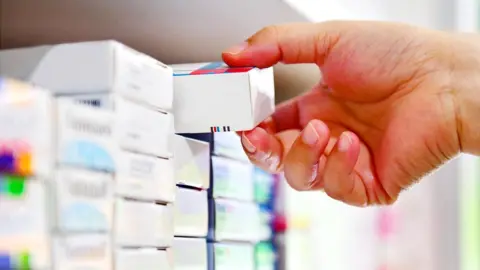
263	149
266	150
301	164
288	114
341	182
288	43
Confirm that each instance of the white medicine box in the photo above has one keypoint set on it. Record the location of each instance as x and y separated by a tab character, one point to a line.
139	128
192	162
145	177
82	251
92	67
40	132
212	97
28	128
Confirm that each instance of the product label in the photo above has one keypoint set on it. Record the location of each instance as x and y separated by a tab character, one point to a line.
86	137
85	251
91	102
142	168
84	200
145	177
87	126
88	190
76	250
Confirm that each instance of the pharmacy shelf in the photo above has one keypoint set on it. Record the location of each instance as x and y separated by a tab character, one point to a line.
173	31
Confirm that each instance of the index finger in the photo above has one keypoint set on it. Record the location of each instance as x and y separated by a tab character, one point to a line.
288	43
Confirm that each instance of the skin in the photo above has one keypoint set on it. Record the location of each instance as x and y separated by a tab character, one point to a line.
394	103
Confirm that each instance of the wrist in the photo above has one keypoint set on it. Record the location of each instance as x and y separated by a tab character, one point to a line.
466	90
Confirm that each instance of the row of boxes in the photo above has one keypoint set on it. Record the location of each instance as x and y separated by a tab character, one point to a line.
243	197
96	159
234	99
135	220
64	195
84	199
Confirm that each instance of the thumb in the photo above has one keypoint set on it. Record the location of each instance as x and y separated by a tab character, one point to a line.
288	43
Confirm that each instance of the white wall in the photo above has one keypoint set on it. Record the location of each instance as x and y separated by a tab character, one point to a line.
428	13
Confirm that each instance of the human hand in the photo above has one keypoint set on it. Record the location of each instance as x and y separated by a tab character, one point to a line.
386	112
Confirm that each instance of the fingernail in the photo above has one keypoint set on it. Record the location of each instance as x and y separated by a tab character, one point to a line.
344	142
310	135
237	48
248	144
262	157
273	162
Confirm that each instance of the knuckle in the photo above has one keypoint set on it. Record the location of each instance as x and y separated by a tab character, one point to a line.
267	32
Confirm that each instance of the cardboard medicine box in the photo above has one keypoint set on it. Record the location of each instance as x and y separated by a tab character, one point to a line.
192	162
83	201
143	224
191	213
85	136
27	133
82	251
139	128
145	177
92	67
190	253
24	225
211	97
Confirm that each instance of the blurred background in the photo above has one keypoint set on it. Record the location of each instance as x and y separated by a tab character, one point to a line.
434	226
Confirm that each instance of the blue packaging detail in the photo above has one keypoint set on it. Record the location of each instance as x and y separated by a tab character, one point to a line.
211	220
83	217
264	188
87	155
7	162
5	262
92	102
266	223
210	256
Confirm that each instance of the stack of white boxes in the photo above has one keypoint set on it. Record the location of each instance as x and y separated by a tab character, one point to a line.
57	209
122	173
89	162
192	173
236	224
